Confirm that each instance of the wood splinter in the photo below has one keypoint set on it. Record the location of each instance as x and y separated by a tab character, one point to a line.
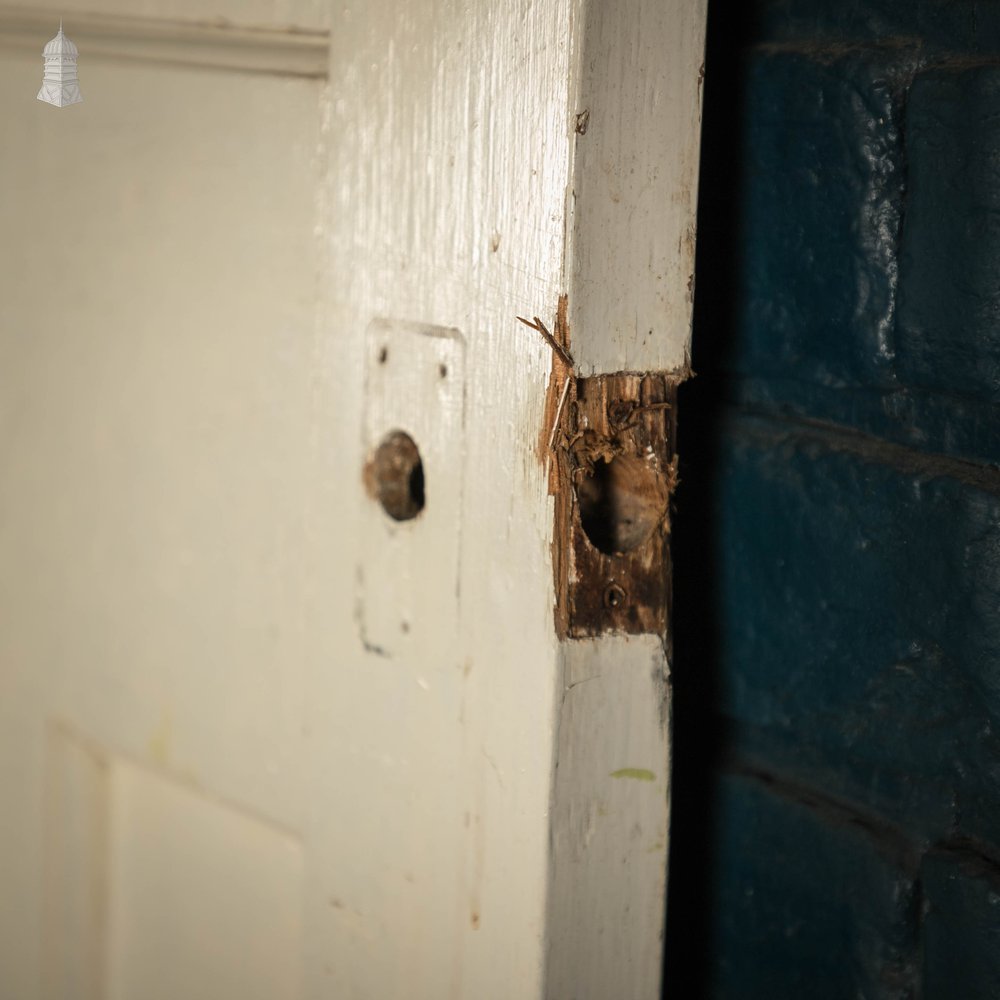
540	327
562	371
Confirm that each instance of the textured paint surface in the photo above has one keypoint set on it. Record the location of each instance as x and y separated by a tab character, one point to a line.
180	430
635	184
820	909
962	925
896	680
949	339
445	212
631	234
837	552
609	824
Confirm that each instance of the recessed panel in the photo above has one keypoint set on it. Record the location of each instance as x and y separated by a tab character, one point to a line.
204	899
156	890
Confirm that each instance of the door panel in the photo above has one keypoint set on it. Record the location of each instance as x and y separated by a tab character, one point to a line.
257	737
160	292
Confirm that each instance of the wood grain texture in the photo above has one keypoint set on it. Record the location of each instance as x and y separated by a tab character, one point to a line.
450	134
618	471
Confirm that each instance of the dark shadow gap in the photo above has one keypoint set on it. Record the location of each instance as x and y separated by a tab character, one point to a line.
698	735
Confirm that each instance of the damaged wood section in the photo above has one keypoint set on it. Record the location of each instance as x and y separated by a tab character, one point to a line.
614	469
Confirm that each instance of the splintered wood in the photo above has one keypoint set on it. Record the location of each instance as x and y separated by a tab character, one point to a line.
609	445
613	472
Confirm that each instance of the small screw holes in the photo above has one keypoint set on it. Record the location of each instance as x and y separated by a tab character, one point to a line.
383	355
443	370
395	476
614	596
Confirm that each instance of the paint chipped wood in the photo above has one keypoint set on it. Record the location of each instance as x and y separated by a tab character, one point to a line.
616	469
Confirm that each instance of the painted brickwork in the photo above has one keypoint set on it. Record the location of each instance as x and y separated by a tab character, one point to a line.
837	536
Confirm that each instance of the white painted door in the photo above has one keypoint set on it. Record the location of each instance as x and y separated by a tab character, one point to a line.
257	737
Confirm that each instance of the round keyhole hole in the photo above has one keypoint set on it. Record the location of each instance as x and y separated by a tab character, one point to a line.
395	476
621	503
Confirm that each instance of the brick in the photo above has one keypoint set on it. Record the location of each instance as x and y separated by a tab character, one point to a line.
845	586
942	26
949	293
804	906
820	197
866	277
930	421
857	621
961	929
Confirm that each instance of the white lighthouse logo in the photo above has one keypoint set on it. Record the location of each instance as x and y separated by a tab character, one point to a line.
60	85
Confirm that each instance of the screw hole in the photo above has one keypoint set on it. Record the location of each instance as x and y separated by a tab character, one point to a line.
443	370
395	476
614	596
383	355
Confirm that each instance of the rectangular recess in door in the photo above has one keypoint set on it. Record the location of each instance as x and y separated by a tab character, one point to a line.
410	526
204	898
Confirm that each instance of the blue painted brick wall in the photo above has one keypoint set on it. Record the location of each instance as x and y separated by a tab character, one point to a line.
860	596
961	926
948	336
823	911
821	183
837	528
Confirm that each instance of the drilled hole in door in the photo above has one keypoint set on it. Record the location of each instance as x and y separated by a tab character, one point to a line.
621	503
395	476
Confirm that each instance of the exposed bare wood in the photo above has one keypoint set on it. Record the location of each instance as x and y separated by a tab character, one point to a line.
619	470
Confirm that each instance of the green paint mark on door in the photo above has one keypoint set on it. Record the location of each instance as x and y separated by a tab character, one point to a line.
639	773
